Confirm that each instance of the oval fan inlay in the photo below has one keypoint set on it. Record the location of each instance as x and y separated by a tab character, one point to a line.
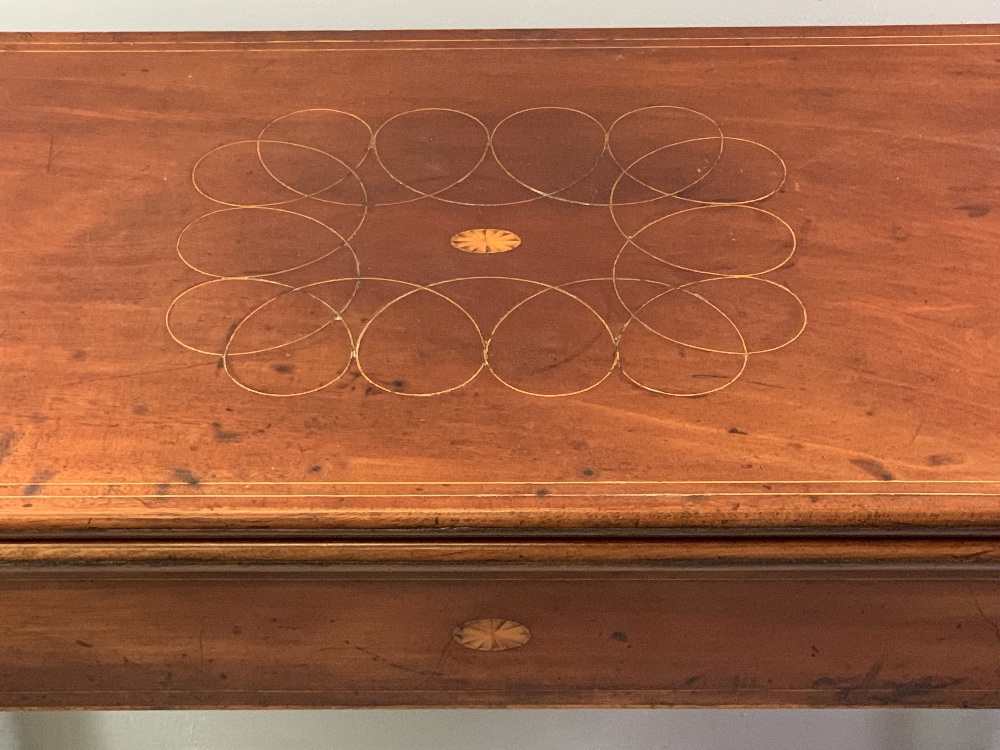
492	635
485	241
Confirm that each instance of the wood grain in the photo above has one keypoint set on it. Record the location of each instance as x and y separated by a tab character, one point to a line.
721	428
848	554
882	413
728	637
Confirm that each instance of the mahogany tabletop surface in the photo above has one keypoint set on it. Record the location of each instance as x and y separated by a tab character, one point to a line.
558	281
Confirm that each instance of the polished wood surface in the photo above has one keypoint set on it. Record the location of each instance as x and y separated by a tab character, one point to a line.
616	368
845	175
659	638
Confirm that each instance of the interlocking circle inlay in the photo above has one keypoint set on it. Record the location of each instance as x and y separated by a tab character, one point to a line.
677	303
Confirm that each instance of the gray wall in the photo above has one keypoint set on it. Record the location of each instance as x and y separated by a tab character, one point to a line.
496	730
93	15
503	730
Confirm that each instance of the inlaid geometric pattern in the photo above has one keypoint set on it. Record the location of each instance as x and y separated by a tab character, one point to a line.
684	198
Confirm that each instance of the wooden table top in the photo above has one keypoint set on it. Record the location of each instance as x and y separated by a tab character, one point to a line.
573	280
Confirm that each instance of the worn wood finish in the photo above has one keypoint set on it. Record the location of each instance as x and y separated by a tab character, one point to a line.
676	349
653	638
836	622
607	555
881	412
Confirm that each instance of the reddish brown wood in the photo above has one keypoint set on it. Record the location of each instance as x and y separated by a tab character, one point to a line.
982	555
821	530
671	637
882	413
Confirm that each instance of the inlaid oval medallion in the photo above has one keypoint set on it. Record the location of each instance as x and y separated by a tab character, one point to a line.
485	241
492	635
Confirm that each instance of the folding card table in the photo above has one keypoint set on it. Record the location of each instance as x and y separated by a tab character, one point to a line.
535	368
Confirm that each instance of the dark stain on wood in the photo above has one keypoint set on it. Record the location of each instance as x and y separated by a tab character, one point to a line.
902	692
943	459
7	440
876	468
975	210
37	481
186	476
224	436
898	234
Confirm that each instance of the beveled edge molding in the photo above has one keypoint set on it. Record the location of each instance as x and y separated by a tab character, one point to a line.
230	509
551	556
